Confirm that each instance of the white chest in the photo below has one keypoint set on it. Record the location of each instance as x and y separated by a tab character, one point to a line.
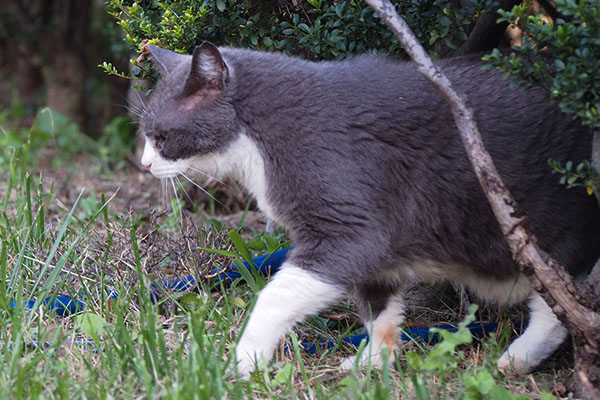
243	162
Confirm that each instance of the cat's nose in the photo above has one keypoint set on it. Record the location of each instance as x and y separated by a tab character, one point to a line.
147	166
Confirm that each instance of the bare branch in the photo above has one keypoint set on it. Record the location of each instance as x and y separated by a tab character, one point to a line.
547	276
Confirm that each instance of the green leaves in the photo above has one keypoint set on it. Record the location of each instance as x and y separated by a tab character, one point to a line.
283	376
563	57
190	301
443	362
90	324
581	176
112	70
483	386
442	358
315	29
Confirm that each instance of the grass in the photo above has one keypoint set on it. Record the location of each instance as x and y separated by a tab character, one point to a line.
127	346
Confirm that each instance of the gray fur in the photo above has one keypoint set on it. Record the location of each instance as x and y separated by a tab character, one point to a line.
366	169
165	61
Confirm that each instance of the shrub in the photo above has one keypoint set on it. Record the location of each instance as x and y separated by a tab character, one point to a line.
563	57
313	29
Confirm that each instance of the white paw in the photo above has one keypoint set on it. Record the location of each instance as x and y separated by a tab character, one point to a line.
348	363
243	370
511	365
543	336
245	363
376	361
234	371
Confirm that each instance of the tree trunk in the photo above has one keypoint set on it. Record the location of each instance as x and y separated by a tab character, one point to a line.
594	279
49	40
567	299
29	79
65	84
66	72
596	149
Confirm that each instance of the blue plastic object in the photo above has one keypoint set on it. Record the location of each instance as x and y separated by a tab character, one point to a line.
477	329
62	305
268	263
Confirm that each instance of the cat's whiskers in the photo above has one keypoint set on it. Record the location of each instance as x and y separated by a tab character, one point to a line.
136	111
177	209
144	108
209	176
183	188
164	193
201	188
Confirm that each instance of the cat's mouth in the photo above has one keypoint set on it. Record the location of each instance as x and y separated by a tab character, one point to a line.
165	171
175	175
158	166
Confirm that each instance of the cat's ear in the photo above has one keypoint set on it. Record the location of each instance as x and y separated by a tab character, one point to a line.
164	60
208	72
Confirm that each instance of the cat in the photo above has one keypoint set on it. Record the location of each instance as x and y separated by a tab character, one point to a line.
362	163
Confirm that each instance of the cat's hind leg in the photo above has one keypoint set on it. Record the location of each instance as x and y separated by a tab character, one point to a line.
543	335
292	295
382	311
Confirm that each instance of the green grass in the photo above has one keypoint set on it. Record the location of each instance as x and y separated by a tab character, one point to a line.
182	346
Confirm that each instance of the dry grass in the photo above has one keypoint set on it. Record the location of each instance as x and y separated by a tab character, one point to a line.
176	348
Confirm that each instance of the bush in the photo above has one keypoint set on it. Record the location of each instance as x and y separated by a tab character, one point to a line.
563	57
313	29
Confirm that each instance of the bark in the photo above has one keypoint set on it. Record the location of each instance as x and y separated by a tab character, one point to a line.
66	72
548	277
50	51
65	84
29	79
596	149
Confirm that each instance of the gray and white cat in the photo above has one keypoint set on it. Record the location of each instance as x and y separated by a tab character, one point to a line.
361	161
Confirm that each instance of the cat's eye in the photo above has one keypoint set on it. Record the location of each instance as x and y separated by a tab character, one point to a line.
160	138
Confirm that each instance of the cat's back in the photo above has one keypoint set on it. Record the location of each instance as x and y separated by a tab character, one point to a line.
383	89
382	113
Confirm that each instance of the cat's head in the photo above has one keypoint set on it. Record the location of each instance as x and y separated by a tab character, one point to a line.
189	114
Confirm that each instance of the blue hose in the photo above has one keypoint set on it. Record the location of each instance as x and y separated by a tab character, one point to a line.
266	264
61	305
478	330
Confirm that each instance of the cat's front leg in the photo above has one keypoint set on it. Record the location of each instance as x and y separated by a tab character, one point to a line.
292	295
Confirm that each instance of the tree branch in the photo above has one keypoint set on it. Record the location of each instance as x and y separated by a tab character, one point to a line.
548	276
